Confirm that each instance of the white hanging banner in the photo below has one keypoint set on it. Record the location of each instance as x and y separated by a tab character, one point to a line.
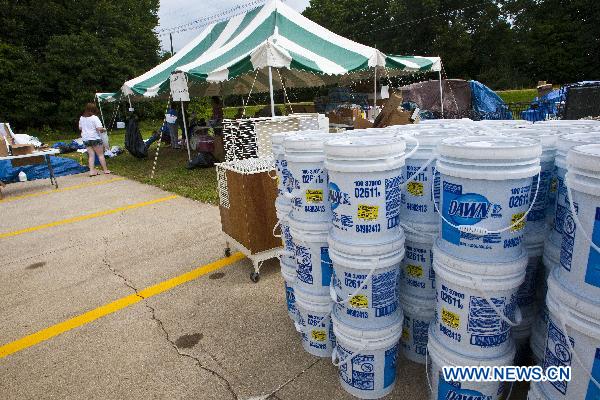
385	92
179	87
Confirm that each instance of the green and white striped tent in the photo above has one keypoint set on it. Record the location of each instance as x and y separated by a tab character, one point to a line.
107	97
235	56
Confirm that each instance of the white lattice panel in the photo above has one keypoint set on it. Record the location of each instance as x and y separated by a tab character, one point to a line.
250	165
222	185
267	127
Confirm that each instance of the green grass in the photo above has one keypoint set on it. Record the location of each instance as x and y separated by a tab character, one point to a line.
518	96
170	175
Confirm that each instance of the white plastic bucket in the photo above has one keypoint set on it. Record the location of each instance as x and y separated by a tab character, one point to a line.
364	288
314	323
366	359
313	265
550	261
422	188
580	247
580	318
283	175
283	209
418	313
485	195
535	392
365	175
416	272
476	303
308	178
526	295
288	272
537	343
521	334
560	208
441	355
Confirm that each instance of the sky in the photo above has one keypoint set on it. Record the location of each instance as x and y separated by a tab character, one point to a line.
178	12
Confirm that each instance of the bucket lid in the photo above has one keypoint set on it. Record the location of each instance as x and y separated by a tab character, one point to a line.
283	205
310	227
586	157
551	256
431	137
534	248
490	148
365	148
278	137
420	233
367	250
370	336
487	268
418	305
311	142
365	262
584	309
565	142
312	301
447	357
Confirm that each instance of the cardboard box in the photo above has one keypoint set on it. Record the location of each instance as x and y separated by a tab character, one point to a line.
21	149
20	162
250	215
361	123
3	147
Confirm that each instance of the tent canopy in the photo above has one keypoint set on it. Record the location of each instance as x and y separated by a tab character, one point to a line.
233	56
108	97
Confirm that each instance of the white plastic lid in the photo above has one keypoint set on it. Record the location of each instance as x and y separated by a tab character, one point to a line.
577	305
365	148
307	142
565	142
490	148
585	157
279	137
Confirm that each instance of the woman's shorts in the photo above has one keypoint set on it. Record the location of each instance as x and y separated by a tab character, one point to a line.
92	143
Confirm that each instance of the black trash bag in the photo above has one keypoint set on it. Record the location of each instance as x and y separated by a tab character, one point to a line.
134	143
202	160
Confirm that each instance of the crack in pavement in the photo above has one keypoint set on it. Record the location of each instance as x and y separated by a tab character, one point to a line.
272	395
160	324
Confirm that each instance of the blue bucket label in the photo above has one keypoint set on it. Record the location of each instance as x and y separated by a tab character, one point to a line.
420	332
453	391
538	211
465	209
592	273
569	230
337	196
326	266
383	292
484	324
287	238
392	200
389	369
358	372
593	392
290	299
561	210
304	265
557	353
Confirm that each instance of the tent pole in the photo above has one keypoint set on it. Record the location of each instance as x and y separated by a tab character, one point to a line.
101	113
441	93
187	140
271	92
374	92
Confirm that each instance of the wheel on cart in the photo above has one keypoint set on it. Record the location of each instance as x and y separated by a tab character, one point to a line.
227	252
254	277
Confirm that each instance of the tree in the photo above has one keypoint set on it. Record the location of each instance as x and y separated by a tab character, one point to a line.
62	52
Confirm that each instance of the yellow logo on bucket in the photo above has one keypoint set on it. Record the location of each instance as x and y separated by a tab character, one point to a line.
359	301
314	196
554	185
405	334
415	271
415	188
367	212
450	319
319	335
514	219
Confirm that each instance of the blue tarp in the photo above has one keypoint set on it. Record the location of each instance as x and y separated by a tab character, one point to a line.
486	103
542	107
62	166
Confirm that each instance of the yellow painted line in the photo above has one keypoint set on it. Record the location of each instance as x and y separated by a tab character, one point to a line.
110	308
85	217
65	189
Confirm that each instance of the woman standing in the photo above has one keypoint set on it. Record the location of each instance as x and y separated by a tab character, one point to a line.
91	127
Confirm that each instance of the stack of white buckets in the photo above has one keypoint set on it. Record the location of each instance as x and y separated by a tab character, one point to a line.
572	268
369	262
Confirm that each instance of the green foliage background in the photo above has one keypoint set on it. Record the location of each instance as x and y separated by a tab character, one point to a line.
55	54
